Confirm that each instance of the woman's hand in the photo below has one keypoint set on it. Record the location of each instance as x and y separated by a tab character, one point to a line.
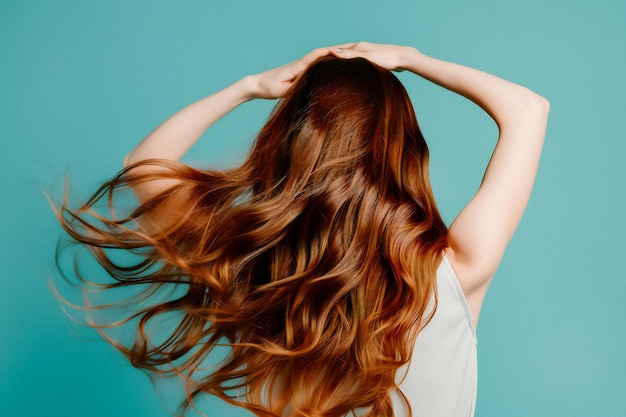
391	57
275	82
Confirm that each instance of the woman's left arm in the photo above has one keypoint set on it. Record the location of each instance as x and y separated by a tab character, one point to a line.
176	135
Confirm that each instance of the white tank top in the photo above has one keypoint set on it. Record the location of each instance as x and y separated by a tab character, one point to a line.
442	376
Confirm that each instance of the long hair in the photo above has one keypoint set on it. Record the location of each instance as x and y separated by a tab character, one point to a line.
313	262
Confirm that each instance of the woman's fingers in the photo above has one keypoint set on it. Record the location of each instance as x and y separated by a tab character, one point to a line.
309	58
274	83
350	52
300	65
364	46
387	56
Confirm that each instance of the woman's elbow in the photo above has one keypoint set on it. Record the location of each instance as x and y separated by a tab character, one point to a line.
538	105
536	109
544	104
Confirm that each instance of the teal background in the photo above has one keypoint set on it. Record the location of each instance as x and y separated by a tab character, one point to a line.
81	82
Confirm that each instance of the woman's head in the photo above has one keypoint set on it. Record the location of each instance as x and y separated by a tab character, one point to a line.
344	117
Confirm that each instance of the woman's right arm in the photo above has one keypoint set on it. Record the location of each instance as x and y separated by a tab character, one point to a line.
480	233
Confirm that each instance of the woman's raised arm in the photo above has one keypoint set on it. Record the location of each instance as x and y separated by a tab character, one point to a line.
483	229
176	135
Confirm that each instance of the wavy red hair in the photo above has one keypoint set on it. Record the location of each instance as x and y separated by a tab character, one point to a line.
314	261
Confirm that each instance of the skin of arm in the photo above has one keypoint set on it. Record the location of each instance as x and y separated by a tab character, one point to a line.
176	135
479	235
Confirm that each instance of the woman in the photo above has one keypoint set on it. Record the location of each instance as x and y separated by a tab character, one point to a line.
322	261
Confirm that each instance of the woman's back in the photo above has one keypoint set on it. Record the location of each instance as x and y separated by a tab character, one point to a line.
442	376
